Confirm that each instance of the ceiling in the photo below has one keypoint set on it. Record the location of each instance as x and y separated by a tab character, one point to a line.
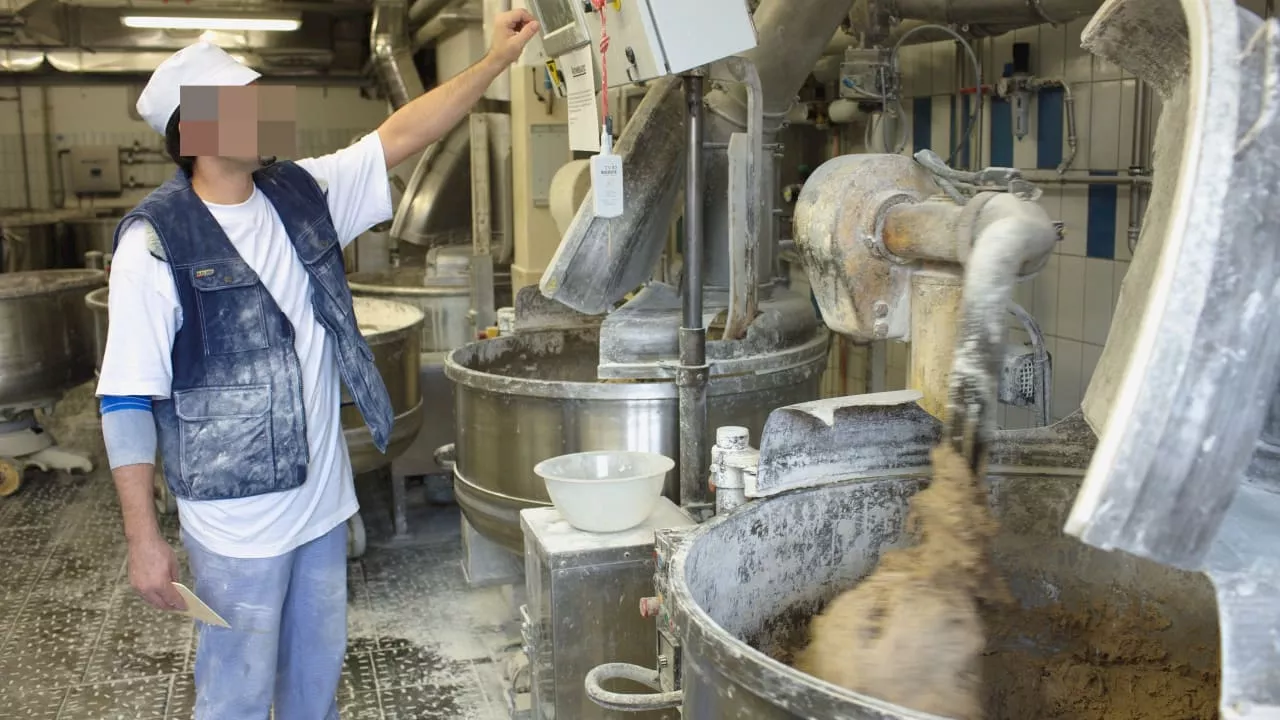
87	36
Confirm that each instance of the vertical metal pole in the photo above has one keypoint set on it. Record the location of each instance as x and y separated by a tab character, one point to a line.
483	313
1140	160
691	377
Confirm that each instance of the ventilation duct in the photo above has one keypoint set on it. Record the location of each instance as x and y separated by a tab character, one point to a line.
423	10
392	57
1006	13
20	60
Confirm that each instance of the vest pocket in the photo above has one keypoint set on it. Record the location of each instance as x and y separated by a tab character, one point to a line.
328	271
226	441
229	296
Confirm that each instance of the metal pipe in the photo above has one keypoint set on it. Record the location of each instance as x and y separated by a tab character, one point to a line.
22	135
392	58
423	10
692	301
692	374
994	12
1140	164
936	293
1052	178
928	230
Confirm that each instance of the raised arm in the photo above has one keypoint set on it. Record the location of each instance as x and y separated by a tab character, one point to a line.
428	118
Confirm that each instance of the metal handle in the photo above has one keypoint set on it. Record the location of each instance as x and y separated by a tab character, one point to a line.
630	702
445	456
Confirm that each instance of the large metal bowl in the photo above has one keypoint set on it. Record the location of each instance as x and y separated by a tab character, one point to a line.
530	396
743	587
392	331
45	343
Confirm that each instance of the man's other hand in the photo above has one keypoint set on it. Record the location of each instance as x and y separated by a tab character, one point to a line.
512	30
153	568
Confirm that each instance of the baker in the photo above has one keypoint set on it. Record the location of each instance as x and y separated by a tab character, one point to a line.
231	328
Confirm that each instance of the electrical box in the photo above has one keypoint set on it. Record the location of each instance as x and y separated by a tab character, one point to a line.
868	75
647	38
95	170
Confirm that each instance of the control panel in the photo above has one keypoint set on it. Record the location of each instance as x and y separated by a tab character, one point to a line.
647	38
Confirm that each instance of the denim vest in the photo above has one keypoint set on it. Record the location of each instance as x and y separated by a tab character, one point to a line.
234	425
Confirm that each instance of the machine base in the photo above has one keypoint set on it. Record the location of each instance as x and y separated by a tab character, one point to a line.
486	563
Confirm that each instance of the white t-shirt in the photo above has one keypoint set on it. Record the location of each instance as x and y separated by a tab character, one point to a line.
145	316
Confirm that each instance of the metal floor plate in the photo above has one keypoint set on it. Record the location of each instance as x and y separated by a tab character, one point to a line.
76	643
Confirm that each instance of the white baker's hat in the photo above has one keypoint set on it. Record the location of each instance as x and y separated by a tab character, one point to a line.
200	64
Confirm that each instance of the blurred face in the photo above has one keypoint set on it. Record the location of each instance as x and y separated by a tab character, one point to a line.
240	123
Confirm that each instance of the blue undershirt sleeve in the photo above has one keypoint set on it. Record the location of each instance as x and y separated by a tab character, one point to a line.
128	430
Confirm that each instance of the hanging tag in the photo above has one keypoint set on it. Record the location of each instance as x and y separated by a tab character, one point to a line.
606	178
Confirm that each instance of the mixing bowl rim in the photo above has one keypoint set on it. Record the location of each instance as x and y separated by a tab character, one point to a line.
671	464
662	389
762	680
380	291
95	303
77	279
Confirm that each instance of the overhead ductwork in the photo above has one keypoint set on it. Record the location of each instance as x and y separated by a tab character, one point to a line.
446	23
20	60
1004	13
423	10
392	56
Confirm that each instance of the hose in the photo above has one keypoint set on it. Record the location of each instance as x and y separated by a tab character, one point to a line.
629	702
977	77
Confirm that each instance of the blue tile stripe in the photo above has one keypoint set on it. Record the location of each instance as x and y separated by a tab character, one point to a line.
921	123
1050	129
1101	237
1001	133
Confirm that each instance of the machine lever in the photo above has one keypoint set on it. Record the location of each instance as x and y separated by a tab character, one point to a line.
629	702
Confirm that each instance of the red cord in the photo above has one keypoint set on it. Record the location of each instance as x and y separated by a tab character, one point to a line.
604	63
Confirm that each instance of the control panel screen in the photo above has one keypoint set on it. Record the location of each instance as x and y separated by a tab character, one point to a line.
561	30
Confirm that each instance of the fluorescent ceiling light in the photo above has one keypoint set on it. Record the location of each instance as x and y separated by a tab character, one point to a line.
230	24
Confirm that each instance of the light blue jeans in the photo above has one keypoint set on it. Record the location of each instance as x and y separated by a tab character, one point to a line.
288	635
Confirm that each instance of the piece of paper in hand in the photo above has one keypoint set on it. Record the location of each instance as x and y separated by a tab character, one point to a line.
580	90
197	610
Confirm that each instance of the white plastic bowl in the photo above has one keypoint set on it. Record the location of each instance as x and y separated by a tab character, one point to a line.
608	491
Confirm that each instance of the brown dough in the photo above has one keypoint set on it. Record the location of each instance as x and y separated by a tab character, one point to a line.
911	633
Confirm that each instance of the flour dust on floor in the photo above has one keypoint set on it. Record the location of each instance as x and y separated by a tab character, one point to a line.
76	643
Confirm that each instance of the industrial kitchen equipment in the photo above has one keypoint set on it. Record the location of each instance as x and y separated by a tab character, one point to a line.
1173	458
441	289
45	349
628	380
577	583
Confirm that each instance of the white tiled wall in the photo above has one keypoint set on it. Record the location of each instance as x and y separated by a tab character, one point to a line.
1074	297
328	119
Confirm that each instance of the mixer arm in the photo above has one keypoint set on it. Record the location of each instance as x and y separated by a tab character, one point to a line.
1011	234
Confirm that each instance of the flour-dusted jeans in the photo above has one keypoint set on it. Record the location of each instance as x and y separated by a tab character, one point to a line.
288	617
